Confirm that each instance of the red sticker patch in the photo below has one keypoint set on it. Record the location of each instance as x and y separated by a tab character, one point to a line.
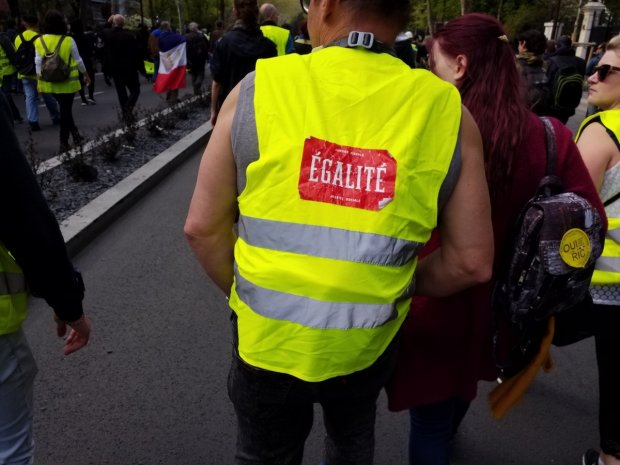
360	178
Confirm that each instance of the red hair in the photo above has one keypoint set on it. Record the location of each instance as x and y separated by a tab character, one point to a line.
491	89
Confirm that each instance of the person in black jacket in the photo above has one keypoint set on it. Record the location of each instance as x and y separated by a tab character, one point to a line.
30	233
122	61
564	61
236	53
197	54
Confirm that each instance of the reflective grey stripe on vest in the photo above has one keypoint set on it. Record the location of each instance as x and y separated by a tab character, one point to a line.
609	264
614	234
310	312
326	242
12	283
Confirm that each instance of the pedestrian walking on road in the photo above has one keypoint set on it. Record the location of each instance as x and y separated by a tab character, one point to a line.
172	63
333	208
33	259
281	37
236	53
24	46
446	344
86	49
8	72
598	140
124	63
56	37
197	55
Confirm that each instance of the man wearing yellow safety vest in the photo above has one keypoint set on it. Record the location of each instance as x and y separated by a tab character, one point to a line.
335	196
269	27
28	75
33	259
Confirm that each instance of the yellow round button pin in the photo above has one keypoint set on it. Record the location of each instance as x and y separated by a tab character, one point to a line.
575	248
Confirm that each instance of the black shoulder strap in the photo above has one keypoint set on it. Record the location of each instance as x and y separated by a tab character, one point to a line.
551	146
613	137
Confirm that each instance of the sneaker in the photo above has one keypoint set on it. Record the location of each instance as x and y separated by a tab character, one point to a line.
64	147
591	457
77	138
34	126
85	103
92	101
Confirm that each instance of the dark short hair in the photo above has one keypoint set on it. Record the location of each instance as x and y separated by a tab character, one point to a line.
564	41
30	19
535	41
54	23
396	11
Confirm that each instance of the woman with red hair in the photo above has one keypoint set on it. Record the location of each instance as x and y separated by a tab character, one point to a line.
446	345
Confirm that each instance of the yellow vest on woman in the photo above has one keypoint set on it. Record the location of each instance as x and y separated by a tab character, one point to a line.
13	296
607	270
72	84
336	208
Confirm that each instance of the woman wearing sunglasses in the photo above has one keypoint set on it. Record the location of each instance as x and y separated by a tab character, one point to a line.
446	344
598	141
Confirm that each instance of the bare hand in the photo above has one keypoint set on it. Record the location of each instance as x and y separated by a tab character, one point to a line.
87	80
78	335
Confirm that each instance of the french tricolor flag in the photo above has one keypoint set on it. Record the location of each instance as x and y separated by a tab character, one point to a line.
172	69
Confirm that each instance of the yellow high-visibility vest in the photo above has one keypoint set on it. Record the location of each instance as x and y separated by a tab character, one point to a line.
72	84
605	287
337	206
13	295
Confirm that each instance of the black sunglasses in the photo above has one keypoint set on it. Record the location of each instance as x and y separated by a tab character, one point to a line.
604	70
305	4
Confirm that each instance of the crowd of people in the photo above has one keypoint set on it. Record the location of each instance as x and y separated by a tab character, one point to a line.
356	253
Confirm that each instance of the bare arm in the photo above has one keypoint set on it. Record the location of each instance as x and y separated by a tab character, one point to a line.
465	257
598	151
209	224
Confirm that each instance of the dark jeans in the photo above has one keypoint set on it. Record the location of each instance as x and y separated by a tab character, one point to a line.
608	359
123	83
91	88
275	413
432	428
67	125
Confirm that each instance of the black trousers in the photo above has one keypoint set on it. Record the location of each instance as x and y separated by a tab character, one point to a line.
67	125
608	359
123	83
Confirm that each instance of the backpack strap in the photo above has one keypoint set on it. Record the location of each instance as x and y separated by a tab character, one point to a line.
551	146
47	50
59	43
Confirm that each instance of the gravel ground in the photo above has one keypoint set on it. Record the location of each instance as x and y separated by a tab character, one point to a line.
66	194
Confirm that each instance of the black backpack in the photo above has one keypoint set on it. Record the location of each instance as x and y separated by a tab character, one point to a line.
53	68
547	268
567	88
24	56
538	89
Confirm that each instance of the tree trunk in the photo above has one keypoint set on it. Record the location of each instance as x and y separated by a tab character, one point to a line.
499	10
463	7
429	17
577	25
556	19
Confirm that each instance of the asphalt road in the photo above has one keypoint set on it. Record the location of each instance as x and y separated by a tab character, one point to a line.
91	120
151	387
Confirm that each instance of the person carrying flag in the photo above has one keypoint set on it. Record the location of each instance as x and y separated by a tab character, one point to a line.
171	75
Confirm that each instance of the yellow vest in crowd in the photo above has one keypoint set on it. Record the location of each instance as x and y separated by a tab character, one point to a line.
13	296
28	35
72	84
336	208
607	271
278	35
6	68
